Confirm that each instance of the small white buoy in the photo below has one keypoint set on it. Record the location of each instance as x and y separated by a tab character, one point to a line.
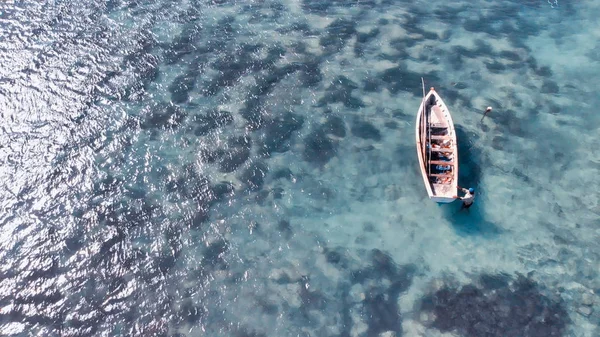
488	109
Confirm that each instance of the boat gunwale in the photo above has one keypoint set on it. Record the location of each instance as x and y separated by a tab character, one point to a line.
451	133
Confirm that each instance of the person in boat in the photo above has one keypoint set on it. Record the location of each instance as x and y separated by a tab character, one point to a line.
442	145
443	180
468	198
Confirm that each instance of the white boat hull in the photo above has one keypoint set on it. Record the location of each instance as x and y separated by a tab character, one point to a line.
437	148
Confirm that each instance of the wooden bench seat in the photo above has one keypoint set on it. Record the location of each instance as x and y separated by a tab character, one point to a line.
438	125
441	162
438	137
438	149
442	175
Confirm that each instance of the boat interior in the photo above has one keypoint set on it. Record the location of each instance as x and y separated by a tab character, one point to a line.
440	148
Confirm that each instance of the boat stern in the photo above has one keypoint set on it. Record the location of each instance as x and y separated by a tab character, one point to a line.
442	200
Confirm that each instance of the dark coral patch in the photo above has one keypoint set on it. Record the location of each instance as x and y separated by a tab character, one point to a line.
163	116
335	126
365	130
279	131
497	306
211	121
318	147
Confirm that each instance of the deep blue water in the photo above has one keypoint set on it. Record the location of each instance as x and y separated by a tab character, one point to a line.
248	168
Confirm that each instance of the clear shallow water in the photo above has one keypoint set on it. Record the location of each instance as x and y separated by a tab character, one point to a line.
221	168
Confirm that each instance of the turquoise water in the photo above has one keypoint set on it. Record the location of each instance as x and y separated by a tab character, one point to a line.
229	168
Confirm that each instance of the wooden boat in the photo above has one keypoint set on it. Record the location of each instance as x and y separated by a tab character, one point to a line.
437	148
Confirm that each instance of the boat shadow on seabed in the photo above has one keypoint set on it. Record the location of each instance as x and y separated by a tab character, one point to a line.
469	221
